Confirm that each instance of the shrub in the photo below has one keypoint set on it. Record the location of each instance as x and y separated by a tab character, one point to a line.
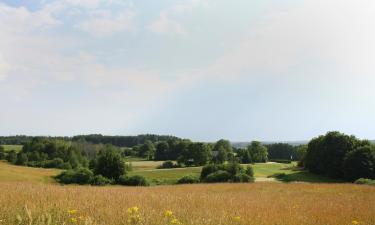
135	180
78	176
21	159
189	179
99	180
233	168
208	169
12	157
167	164
218	176
360	163
365	181
242	178
249	171
54	163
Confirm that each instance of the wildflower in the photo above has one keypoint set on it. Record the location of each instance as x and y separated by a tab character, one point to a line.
72	212
237	218
355	222
73	220
168	213
175	221
133	209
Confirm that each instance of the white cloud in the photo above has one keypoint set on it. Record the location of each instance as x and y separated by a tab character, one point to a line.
4	69
334	33
103	23
164	24
21	20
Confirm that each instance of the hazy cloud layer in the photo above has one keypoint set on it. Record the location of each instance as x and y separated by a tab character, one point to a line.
199	69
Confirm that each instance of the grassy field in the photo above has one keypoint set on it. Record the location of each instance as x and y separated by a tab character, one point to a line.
17	148
202	204
13	173
262	171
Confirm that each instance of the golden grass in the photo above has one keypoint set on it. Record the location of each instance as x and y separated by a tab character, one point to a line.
10	172
202	204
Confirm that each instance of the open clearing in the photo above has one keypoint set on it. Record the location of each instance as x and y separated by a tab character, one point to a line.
8	148
12	173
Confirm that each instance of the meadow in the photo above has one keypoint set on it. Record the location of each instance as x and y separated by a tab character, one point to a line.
201	204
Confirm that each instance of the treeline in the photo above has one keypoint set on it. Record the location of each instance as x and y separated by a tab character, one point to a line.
119	141
48	153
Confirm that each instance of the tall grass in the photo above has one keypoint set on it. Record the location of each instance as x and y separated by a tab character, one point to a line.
216	204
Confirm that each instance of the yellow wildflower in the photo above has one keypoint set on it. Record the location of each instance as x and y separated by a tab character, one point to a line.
236	218
355	222
175	221
168	213
73	211
133	209
73	220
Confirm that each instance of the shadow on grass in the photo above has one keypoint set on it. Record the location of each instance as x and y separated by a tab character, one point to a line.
301	175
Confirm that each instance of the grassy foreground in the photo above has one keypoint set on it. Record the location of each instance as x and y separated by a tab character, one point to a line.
202	204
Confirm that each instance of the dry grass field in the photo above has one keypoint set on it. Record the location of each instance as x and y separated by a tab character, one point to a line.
14	173
205	204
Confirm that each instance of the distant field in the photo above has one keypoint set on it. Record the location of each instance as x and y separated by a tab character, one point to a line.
12	147
262	172
145	165
265	203
12	173
167	176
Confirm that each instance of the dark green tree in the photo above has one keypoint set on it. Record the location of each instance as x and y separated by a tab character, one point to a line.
109	163
360	163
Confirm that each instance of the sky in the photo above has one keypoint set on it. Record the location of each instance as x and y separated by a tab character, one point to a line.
201	69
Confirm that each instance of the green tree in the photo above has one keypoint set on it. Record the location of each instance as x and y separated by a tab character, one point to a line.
258	152
147	150
360	163
161	152
325	154
196	154
109	163
22	159
223	149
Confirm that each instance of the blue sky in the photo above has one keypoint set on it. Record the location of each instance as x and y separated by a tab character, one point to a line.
201	69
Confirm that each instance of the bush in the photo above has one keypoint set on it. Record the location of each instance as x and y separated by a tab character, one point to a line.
167	165
12	157
208	169
360	163
22	159
365	181
189	179
249	171
133	180
54	163
242	178
218	176
99	180
78	176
